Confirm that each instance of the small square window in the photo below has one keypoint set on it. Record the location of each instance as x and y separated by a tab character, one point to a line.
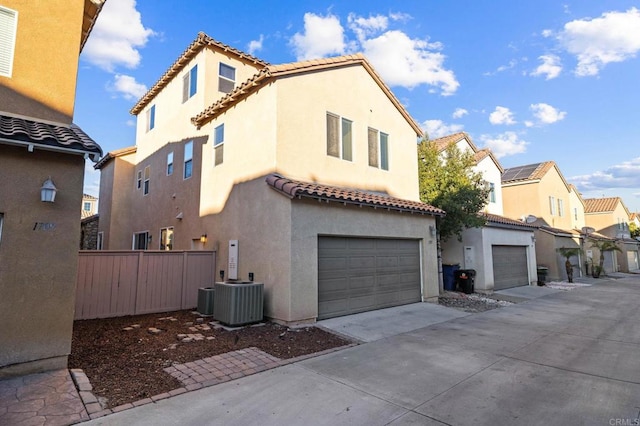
87	206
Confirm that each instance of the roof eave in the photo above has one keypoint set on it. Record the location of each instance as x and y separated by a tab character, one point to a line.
31	146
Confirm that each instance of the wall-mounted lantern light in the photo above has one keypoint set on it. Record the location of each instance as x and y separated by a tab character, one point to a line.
203	238
48	191
221	274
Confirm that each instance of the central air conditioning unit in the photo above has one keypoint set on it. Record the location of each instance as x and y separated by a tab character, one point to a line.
238	303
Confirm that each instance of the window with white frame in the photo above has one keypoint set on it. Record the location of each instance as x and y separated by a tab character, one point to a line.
560	207
339	137
8	28
147	178
170	163
141	241
492	192
100	243
188	160
552	205
190	83
218	145
151	117
166	238
227	78
139	179
87	206
378	149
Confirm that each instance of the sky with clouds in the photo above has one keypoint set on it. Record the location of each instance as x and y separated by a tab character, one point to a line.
533	80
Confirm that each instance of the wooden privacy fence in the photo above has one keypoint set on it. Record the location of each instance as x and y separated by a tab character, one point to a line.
118	283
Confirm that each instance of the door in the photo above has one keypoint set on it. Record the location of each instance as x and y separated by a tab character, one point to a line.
363	274
510	267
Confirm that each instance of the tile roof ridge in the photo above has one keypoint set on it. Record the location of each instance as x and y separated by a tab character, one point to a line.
200	42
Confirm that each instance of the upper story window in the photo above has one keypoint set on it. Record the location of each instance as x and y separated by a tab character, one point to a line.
170	163
188	159
147	178
86	206
378	149
575	213
151	117
8	27
227	78
552	205
139	179
492	192
190	83
218	145
560	207
339	137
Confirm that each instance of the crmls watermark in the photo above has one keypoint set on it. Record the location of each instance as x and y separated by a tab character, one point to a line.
625	422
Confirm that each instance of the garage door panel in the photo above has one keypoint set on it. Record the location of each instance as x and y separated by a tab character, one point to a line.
367	274
510	267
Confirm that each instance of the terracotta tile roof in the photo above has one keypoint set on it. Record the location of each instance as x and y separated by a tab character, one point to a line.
443	142
89	197
501	220
293	189
21	131
556	231
601	205
273	72
113	154
194	48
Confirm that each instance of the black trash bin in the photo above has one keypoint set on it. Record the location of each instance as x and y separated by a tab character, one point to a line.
465	279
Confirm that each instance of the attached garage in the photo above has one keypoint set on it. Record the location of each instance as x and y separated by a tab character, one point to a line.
363	274
510	267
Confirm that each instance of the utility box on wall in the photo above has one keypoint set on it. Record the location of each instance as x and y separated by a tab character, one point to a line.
233	259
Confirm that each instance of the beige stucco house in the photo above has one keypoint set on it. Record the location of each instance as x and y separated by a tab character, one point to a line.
610	217
541	193
503	251
310	166
40	150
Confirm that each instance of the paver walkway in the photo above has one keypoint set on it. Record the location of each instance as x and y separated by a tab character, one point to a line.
47	399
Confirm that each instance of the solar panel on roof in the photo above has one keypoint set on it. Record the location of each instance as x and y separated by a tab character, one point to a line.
516	173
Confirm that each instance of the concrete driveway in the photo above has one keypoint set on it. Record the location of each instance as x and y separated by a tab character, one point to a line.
567	358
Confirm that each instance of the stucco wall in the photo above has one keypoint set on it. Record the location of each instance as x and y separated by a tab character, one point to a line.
576	210
47	33
491	173
38	266
116	190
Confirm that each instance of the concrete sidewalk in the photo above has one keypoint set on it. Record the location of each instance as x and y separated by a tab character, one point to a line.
570	357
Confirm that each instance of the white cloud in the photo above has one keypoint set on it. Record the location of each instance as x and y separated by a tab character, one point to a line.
255	45
550	67
546	114
130	123
366	27
512	63
529	123
437	128
624	175
507	143
459	112
128	87
400	60
117	36
407	62
400	16
612	37
501	115
547	33
323	35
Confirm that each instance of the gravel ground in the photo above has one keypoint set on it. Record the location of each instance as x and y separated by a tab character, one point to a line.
471	303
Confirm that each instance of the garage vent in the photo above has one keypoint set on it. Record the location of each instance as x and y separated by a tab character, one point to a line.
238	303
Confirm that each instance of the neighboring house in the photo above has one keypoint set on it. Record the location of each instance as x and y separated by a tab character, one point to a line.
42	156
610	217
502	252
539	193
311	166
89	206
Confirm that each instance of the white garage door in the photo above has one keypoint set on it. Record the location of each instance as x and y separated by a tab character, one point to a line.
509	267
363	274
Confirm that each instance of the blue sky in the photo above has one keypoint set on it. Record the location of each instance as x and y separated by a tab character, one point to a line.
534	80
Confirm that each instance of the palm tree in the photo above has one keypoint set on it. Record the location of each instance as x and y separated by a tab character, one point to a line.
602	246
567	253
